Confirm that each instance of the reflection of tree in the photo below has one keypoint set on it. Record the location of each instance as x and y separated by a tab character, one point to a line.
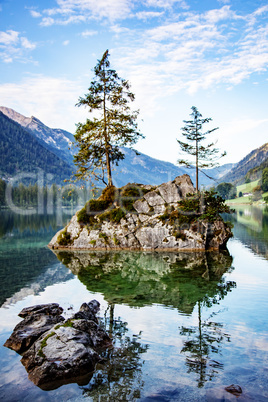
138	279
203	341
180	280
118	376
11	222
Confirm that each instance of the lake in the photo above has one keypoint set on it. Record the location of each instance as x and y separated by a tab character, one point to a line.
184	325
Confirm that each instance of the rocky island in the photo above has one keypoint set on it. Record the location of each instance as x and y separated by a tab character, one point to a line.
170	217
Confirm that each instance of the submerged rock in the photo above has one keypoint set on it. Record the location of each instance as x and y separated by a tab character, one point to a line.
139	217
66	350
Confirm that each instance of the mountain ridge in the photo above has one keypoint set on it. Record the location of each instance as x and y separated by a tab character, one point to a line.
250	161
142	168
55	140
21	153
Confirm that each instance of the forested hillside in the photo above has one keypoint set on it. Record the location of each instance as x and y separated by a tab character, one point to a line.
253	159
21	152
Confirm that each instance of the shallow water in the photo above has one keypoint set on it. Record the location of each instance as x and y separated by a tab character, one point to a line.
184	325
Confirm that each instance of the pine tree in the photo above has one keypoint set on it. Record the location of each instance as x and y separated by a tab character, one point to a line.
99	139
205	156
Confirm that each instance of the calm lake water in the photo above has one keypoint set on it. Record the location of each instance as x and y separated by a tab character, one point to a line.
184	325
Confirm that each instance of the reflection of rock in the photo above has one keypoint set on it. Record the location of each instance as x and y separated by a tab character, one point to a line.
154	220
232	393
61	353
139	278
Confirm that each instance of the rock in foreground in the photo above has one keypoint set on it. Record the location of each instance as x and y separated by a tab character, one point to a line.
64	352
141	217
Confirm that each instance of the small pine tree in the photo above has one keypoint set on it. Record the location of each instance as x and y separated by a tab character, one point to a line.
205	156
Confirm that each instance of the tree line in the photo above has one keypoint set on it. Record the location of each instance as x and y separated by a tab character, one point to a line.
33	195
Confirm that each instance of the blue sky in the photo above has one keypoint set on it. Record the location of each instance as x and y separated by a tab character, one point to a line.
175	53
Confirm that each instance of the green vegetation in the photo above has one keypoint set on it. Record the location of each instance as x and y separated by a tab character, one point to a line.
64	238
45	197
44	344
98	140
205	206
256	172
205	156
249	192
226	190
114	215
264	181
112	205
21	152
67	323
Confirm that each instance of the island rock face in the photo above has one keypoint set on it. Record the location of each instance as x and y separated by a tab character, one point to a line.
56	354
143	217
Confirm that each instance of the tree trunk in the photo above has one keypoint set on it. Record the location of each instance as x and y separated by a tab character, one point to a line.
196	168
107	145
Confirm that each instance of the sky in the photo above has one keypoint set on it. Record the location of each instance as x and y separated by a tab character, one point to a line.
175	53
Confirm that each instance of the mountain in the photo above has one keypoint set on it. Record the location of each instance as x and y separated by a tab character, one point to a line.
21	152
256	172
55	140
134	168
252	160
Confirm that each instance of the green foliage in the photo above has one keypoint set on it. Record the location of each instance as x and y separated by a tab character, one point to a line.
240	194
264	185
255	172
98	140
205	206
64	238
108	194
226	190
129	194
257	193
266	199
205	156
114	215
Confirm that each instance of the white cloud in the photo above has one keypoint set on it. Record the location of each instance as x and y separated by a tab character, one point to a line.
66	43
145	15
88	33
27	44
14	47
197	51
50	99
9	37
35	14
165	3
70	11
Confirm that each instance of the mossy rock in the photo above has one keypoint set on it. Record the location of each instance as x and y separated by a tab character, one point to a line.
64	238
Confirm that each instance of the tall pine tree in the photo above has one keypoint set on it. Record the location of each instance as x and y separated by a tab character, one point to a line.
205	156
114	125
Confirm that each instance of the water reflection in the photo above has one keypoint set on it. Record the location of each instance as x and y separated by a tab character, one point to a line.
24	257
203	341
178	280
12	223
251	227
119	376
